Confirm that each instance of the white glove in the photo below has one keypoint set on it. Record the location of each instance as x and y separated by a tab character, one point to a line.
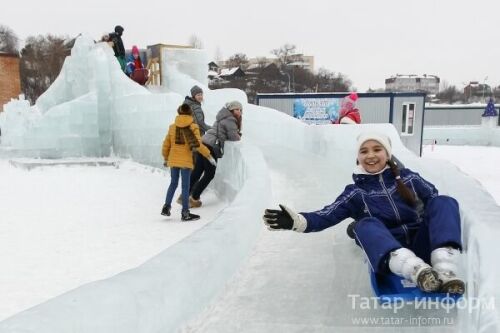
212	161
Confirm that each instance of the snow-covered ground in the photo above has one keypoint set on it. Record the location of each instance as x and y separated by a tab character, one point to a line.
481	163
64	226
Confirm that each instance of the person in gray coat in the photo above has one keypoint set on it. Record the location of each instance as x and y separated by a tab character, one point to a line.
195	103
227	126
199	118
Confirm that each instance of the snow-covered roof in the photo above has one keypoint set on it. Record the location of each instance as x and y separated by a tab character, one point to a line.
298	63
228	71
414	76
213	73
9	54
254	66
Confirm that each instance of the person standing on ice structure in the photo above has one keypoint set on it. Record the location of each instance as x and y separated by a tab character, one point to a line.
388	227
116	38
182	139
134	61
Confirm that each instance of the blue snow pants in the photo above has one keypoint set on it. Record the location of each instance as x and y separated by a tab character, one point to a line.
440	227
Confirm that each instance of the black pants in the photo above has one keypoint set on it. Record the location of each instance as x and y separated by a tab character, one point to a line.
202	175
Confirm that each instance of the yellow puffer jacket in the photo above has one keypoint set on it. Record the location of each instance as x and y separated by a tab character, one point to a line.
181	156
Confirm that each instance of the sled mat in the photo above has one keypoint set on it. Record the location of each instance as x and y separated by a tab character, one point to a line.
140	76
390	288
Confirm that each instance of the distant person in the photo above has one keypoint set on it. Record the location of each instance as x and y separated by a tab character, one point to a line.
194	101
227	126
423	248
116	39
182	139
135	68
349	113
133	61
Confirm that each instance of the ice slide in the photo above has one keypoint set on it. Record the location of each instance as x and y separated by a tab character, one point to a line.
316	282
284	282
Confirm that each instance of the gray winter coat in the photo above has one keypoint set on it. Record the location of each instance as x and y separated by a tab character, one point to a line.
198	115
227	126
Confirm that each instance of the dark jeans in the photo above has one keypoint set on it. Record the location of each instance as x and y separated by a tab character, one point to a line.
202	175
174	181
440	227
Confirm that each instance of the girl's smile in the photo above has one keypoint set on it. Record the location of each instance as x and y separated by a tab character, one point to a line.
372	156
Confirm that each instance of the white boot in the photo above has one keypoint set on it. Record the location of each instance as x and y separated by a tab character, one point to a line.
403	262
445	263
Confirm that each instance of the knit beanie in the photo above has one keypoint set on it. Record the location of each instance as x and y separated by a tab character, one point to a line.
196	90
234	105
349	102
184	109
384	140
135	50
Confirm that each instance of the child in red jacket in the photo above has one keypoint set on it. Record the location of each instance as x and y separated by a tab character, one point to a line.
349	114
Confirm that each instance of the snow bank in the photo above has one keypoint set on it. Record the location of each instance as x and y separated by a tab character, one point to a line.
169	289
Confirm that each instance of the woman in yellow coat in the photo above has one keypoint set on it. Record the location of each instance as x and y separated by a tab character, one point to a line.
182	139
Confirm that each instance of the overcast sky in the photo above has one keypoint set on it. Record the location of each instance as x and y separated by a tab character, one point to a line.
367	40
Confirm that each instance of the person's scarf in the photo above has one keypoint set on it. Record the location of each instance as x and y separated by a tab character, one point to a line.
185	132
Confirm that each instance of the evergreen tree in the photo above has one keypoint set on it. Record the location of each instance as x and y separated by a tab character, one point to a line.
490	110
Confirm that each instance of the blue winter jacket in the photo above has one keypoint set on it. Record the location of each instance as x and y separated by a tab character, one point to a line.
374	196
130	67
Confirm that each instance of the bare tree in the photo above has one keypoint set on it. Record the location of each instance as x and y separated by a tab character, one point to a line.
496	93
237	60
328	81
284	54
449	95
195	42
41	61
287	74
444	85
9	42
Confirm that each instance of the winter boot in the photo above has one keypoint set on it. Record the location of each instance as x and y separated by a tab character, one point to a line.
165	211
187	216
193	203
403	262
445	262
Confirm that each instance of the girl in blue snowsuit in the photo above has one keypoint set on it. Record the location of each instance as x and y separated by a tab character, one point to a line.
422	245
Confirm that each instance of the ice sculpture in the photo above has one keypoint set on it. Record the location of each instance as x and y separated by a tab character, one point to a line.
93	109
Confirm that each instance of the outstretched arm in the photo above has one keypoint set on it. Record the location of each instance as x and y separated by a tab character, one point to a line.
330	215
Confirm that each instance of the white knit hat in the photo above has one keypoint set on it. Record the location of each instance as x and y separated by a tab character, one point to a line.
384	140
